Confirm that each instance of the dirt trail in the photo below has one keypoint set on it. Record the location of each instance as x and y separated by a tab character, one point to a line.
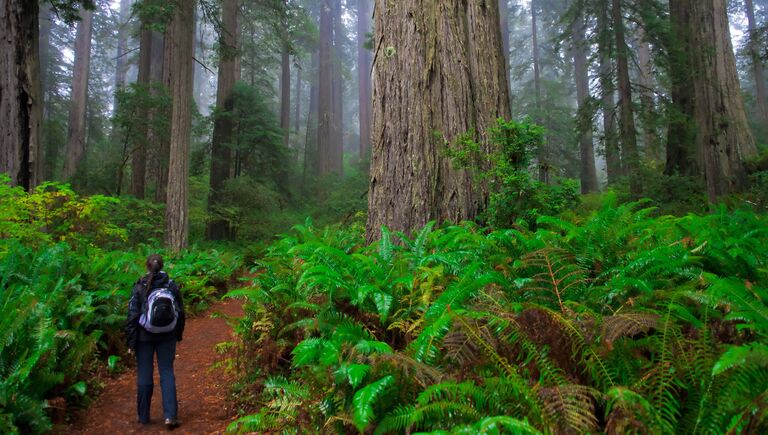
201	392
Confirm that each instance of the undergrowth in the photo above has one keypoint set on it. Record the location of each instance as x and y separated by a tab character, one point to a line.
621	321
67	267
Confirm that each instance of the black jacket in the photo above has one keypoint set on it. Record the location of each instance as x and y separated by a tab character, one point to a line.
133	331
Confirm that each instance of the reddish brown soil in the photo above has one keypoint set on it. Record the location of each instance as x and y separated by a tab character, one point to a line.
201	391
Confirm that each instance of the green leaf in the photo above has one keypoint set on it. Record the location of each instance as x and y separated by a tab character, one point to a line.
80	388
363	401
736	356
112	362
354	373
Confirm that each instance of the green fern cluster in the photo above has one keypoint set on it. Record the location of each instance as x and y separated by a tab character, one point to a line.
620	321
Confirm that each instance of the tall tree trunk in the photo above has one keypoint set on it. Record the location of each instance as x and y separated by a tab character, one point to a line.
221	152
757	63
629	151
504	20
722	136
645	71
325	120
121	64
681	132
159	139
177	206
79	98
543	152
285	94
297	106
337	145
21	102
588	171
139	150
364	76
310	144
49	148
442	61
608	90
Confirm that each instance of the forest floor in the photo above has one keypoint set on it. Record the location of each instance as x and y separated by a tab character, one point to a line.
202	391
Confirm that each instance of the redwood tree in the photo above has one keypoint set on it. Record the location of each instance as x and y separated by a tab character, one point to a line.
438	73
581	73
364	75
21	99
76	135
177	207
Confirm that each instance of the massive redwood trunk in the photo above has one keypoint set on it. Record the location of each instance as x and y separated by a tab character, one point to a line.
721	135
364	76
20	94
438	73
79	97
221	153
182	38
325	120
588	171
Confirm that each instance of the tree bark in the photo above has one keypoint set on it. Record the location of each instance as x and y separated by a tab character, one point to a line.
221	151
20	94
310	144
177	207
504	20
325	119
438	73
629	153
139	150
79	98
758	71
364	76
121	64
588	173
608	90
722	136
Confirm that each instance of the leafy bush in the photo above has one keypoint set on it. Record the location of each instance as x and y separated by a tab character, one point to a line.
616	321
514	194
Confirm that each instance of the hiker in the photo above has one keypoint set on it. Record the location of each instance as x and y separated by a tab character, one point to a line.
155	323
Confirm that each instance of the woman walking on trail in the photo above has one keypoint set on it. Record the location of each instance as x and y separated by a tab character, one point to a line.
155	323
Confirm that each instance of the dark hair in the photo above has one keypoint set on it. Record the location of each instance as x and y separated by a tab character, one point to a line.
154	265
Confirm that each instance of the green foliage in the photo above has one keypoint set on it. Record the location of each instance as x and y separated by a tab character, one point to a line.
65	278
618	321
514	194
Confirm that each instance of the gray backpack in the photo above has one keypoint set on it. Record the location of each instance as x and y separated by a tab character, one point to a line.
161	312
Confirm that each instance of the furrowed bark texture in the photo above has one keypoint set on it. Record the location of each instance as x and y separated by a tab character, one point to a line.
177	207
221	153
438	73
76	135
722	136
20	94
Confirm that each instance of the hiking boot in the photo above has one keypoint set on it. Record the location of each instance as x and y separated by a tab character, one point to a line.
171	423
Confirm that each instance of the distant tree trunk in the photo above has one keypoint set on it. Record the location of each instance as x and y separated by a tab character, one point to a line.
139	150
177	207
681	133
543	152
443	61
285	94
121	64
608	90
588	171
159	139
325	120
364	76
645	70
297	106
79	98
337	87
49	148
757	63
310	144
722	136
629	152
221	143
21	102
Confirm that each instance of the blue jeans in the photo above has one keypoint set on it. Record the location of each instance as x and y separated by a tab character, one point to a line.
166	353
